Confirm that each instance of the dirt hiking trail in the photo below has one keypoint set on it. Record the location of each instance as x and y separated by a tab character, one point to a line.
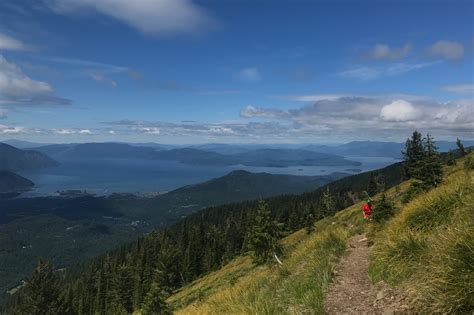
352	292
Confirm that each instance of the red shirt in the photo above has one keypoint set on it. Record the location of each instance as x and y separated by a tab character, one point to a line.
367	209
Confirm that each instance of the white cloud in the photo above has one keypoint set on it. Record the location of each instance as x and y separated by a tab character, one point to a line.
251	111
64	131
460	88
446	49
399	111
249	74
8	130
10	43
383	51
370	73
375	114
314	97
69	131
99	78
148	130
18	88
157	17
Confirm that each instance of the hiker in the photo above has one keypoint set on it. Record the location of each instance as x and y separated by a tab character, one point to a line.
367	208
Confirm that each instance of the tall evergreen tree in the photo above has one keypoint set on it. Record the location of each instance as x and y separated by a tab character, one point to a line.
41	292
264	235
327	204
431	170
383	208
372	187
413	154
154	303
308	216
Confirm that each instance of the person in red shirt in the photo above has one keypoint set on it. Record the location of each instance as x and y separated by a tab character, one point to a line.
367	208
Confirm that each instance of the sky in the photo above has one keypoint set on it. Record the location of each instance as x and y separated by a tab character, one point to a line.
235	71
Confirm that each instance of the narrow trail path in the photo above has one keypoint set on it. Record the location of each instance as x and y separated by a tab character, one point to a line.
352	292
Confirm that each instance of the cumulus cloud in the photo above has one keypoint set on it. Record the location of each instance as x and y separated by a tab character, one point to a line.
18	88
70	131
249	74
385	52
446	49
11	130
10	43
376	117
375	114
251	111
370	73
156	17
460	88
399	111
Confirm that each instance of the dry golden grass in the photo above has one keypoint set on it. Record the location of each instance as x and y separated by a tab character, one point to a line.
428	248
296	287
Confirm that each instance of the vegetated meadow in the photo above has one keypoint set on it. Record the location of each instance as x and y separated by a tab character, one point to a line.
428	248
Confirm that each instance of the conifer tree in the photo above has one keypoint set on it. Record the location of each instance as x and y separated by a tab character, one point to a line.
264	235
154	303
308	216
461	148
327	203
41	293
431	170
372	187
413	154
383	209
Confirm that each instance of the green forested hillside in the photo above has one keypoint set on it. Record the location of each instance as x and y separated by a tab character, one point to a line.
141	275
424	248
68	230
198	244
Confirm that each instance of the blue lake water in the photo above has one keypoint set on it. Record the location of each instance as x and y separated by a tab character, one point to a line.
105	176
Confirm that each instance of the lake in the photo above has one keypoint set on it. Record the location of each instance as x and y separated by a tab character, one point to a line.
105	176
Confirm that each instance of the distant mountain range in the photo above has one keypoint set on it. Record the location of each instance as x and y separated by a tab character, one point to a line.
269	157
13	159
230	154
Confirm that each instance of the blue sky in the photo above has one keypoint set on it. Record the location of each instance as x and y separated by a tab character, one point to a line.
178	71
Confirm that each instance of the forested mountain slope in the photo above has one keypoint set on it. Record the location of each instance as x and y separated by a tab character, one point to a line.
198	244
435	228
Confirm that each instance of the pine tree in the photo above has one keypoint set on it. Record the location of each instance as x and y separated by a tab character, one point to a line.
264	235
431	170
154	303
372	187
327	203
461	147
413	155
308	217
383	209
41	293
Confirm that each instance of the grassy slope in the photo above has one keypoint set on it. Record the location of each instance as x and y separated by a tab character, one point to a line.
428	248
300	284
